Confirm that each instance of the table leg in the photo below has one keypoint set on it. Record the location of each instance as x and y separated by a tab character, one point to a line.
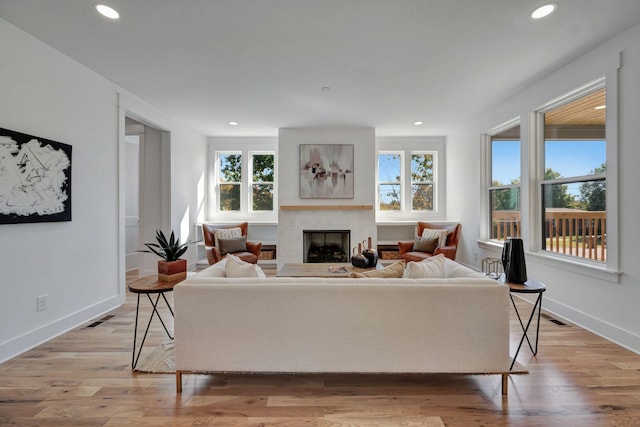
134	357
525	329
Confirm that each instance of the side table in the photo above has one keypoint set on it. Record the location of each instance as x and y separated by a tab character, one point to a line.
528	287
146	286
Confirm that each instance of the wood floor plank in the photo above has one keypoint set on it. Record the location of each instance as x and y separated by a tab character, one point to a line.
84	378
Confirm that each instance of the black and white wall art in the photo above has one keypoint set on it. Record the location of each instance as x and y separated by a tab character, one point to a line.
35	179
326	171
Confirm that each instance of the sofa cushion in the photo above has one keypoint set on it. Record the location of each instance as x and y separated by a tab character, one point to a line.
430	267
235	244
226	233
235	267
425	244
394	270
440	234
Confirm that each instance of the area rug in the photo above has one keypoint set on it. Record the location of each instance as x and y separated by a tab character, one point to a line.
162	361
159	361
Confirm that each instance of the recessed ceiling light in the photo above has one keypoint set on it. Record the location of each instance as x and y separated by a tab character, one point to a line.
417	123
544	10
233	123
107	11
600	107
325	88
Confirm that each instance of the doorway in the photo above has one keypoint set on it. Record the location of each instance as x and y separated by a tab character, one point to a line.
147	191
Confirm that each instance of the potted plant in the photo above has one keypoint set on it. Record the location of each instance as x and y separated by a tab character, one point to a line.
171	266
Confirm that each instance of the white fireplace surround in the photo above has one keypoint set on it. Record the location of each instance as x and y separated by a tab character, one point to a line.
361	223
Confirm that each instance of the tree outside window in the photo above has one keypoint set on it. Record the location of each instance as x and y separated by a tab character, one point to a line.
262	182
422	168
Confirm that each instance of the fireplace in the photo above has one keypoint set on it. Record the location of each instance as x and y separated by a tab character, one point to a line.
326	245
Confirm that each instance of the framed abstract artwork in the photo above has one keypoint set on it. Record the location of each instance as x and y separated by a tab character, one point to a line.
326	171
35	179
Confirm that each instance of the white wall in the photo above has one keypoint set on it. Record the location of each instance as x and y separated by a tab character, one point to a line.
606	307
78	264
360	222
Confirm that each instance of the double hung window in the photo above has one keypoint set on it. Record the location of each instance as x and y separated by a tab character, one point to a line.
574	186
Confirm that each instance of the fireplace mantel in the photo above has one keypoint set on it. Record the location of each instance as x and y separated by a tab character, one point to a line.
324	207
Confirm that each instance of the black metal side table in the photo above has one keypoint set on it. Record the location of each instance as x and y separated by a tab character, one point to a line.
149	285
528	287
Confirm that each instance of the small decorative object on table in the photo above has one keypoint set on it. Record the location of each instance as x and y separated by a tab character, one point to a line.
515	269
370	254
170	267
491	267
359	260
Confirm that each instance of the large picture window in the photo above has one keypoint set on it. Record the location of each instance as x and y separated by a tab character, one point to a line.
574	186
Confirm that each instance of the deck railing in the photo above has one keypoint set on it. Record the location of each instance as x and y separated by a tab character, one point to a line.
567	231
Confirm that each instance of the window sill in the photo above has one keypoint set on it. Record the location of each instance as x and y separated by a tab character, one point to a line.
562	262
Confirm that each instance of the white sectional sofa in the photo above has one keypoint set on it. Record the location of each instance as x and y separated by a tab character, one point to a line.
455	324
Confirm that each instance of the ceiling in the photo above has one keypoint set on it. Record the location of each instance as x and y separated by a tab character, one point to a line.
263	63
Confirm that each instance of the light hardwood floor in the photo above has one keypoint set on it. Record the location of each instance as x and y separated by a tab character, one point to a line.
84	378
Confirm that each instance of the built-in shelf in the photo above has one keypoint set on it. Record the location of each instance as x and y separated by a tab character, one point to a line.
324	207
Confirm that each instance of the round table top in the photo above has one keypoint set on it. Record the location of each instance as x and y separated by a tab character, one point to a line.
528	287
152	285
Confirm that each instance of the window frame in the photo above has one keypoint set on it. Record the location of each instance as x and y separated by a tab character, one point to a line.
251	182
407	146
401	154
433	181
610	177
218	182
487	180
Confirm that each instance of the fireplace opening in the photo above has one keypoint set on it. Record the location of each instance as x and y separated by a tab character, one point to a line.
326	245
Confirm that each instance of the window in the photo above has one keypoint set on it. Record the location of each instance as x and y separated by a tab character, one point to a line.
410	176
504	190
262	181
573	189
390	180
422	178
229	168
245	182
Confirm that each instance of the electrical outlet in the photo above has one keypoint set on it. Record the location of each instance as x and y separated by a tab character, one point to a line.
475	256
41	302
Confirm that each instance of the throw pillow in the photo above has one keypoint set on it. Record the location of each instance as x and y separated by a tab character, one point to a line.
215	270
237	244
394	270
441	235
225	233
425	244
432	267
236	267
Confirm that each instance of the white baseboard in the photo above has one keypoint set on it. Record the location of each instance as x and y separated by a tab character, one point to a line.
29	340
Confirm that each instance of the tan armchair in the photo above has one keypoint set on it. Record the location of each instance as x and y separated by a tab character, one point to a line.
449	250
251	251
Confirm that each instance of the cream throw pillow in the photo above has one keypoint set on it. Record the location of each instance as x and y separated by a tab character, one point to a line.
225	233
441	235
432	267
394	270
236	267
